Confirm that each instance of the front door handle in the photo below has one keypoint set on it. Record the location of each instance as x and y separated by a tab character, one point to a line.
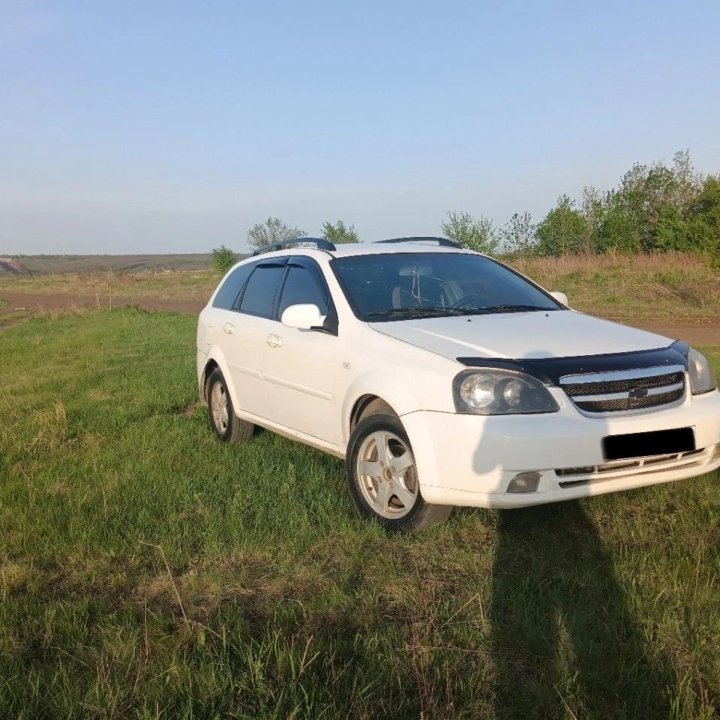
228	328
274	341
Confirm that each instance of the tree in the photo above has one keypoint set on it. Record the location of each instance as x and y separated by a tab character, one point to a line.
648	211
338	233
592	209
519	234
704	218
563	230
688	182
618	227
272	231
475	234
223	258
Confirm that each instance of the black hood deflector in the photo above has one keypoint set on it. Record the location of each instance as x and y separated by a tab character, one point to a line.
550	370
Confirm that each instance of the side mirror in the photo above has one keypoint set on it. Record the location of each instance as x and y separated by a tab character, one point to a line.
303	317
560	297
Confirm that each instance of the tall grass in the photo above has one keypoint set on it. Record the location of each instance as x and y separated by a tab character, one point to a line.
148	571
672	287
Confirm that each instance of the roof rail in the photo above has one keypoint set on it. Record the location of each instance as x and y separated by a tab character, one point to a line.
445	242
307	242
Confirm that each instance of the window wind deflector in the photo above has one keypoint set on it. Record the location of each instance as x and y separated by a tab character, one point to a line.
297	243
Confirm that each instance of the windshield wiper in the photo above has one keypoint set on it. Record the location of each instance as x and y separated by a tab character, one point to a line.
508	308
414	312
408	313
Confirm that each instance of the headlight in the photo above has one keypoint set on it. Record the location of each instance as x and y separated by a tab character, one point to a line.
500	392
702	377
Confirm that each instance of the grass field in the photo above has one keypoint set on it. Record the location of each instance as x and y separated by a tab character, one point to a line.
104	288
147	571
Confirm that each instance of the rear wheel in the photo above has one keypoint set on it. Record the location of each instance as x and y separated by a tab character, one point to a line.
223	420
383	478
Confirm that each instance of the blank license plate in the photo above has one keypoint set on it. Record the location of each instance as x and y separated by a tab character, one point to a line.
659	442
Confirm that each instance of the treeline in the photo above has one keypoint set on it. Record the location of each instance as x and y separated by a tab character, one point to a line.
274	230
655	208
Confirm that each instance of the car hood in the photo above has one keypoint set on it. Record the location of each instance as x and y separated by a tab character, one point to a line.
524	335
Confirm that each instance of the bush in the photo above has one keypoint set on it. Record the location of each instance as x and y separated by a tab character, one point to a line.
223	258
478	234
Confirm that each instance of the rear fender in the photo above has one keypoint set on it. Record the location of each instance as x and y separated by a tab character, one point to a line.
216	354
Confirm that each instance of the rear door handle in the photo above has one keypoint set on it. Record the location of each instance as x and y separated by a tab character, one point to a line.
274	341
228	328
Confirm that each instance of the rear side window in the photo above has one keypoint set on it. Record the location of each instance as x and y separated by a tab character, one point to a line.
302	286
230	289
261	291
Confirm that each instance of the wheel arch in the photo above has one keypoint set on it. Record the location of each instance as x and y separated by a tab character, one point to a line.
216	360
210	365
377	391
368	404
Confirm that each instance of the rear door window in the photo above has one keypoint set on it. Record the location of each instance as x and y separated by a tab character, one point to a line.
261	291
227	294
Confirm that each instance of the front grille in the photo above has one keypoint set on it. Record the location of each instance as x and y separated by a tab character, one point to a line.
625	391
613	386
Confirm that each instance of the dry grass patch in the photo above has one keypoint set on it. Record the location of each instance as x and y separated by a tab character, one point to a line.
673	287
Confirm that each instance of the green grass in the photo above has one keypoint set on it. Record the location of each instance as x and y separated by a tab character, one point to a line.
147	570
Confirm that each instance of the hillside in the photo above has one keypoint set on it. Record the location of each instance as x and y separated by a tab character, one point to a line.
112	263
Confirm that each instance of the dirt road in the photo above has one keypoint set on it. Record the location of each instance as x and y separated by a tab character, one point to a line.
695	334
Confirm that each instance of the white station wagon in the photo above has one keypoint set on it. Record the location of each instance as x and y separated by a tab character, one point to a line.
444	377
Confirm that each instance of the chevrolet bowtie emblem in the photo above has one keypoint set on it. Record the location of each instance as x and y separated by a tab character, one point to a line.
638	393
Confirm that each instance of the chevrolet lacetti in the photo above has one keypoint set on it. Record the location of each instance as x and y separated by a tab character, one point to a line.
444	377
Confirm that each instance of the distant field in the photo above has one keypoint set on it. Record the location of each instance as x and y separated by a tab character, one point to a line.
113	263
103	289
678	288
148	571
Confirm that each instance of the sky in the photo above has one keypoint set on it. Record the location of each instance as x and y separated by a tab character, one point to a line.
153	127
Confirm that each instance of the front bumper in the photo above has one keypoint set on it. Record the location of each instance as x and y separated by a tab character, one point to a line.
471	460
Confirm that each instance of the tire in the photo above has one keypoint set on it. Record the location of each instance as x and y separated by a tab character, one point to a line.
223	420
382	476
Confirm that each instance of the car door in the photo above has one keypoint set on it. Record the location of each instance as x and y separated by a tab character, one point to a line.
218	319
254	320
301	366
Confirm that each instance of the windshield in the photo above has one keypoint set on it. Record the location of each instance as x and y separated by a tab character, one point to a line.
388	287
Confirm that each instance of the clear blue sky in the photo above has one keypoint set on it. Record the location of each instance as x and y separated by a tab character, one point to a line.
133	126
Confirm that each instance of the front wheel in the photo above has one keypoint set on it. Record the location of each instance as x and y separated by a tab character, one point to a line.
383	478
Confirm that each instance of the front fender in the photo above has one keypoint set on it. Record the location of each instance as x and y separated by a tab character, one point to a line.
426	391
